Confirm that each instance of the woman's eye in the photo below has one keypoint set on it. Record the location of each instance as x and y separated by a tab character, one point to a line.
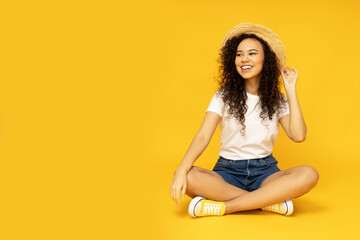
252	53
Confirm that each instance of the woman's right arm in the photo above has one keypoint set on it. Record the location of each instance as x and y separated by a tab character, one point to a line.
197	146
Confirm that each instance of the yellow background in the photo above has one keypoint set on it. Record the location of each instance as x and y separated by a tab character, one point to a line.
99	101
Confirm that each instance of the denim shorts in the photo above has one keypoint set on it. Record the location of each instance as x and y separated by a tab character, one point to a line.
246	174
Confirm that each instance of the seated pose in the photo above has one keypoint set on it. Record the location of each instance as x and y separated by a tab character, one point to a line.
249	107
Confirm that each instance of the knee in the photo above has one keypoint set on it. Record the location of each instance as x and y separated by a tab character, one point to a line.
195	176
192	176
307	176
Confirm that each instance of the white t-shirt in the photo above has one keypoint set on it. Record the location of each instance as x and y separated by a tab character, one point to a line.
260	135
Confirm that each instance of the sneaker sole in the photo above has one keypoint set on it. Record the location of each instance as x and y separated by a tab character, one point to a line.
290	207
193	204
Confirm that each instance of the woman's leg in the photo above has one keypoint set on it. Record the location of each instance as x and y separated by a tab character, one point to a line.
209	184
280	186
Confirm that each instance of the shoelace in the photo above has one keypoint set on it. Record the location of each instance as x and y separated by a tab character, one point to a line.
274	208
212	208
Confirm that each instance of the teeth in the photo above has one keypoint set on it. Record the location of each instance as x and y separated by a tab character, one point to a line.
246	67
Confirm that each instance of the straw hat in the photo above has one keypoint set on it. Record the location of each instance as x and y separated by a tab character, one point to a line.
264	33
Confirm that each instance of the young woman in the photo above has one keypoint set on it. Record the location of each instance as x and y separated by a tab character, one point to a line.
249	107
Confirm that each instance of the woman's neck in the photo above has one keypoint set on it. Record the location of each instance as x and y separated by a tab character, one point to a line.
252	85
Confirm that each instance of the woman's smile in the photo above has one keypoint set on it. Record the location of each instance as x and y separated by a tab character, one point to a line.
246	68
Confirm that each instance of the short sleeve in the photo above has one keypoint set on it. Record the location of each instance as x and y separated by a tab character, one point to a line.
216	104
284	110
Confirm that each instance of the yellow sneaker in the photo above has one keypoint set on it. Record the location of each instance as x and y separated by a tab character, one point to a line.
200	207
284	208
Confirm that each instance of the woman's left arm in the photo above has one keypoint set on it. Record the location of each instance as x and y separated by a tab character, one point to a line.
293	123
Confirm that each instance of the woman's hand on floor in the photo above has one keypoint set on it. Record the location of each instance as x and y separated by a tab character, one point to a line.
178	186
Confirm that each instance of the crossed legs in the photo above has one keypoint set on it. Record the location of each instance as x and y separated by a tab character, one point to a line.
280	186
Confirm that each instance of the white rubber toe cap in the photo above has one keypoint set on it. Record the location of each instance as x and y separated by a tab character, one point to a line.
193	204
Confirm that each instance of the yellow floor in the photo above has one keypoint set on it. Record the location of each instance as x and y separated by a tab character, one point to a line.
329	211
130	200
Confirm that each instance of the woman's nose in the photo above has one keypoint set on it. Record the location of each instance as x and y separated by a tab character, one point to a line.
245	58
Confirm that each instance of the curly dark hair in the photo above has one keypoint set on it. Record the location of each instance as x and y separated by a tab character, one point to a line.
232	84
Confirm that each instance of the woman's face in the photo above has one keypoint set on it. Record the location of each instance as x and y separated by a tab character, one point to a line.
249	59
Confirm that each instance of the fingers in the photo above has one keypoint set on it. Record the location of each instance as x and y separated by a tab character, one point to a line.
282	73
295	71
171	193
175	194
183	191
178	187
288	71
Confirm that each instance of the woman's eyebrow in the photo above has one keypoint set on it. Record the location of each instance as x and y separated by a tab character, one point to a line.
248	50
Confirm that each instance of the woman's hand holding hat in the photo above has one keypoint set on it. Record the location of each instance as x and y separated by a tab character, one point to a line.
289	76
